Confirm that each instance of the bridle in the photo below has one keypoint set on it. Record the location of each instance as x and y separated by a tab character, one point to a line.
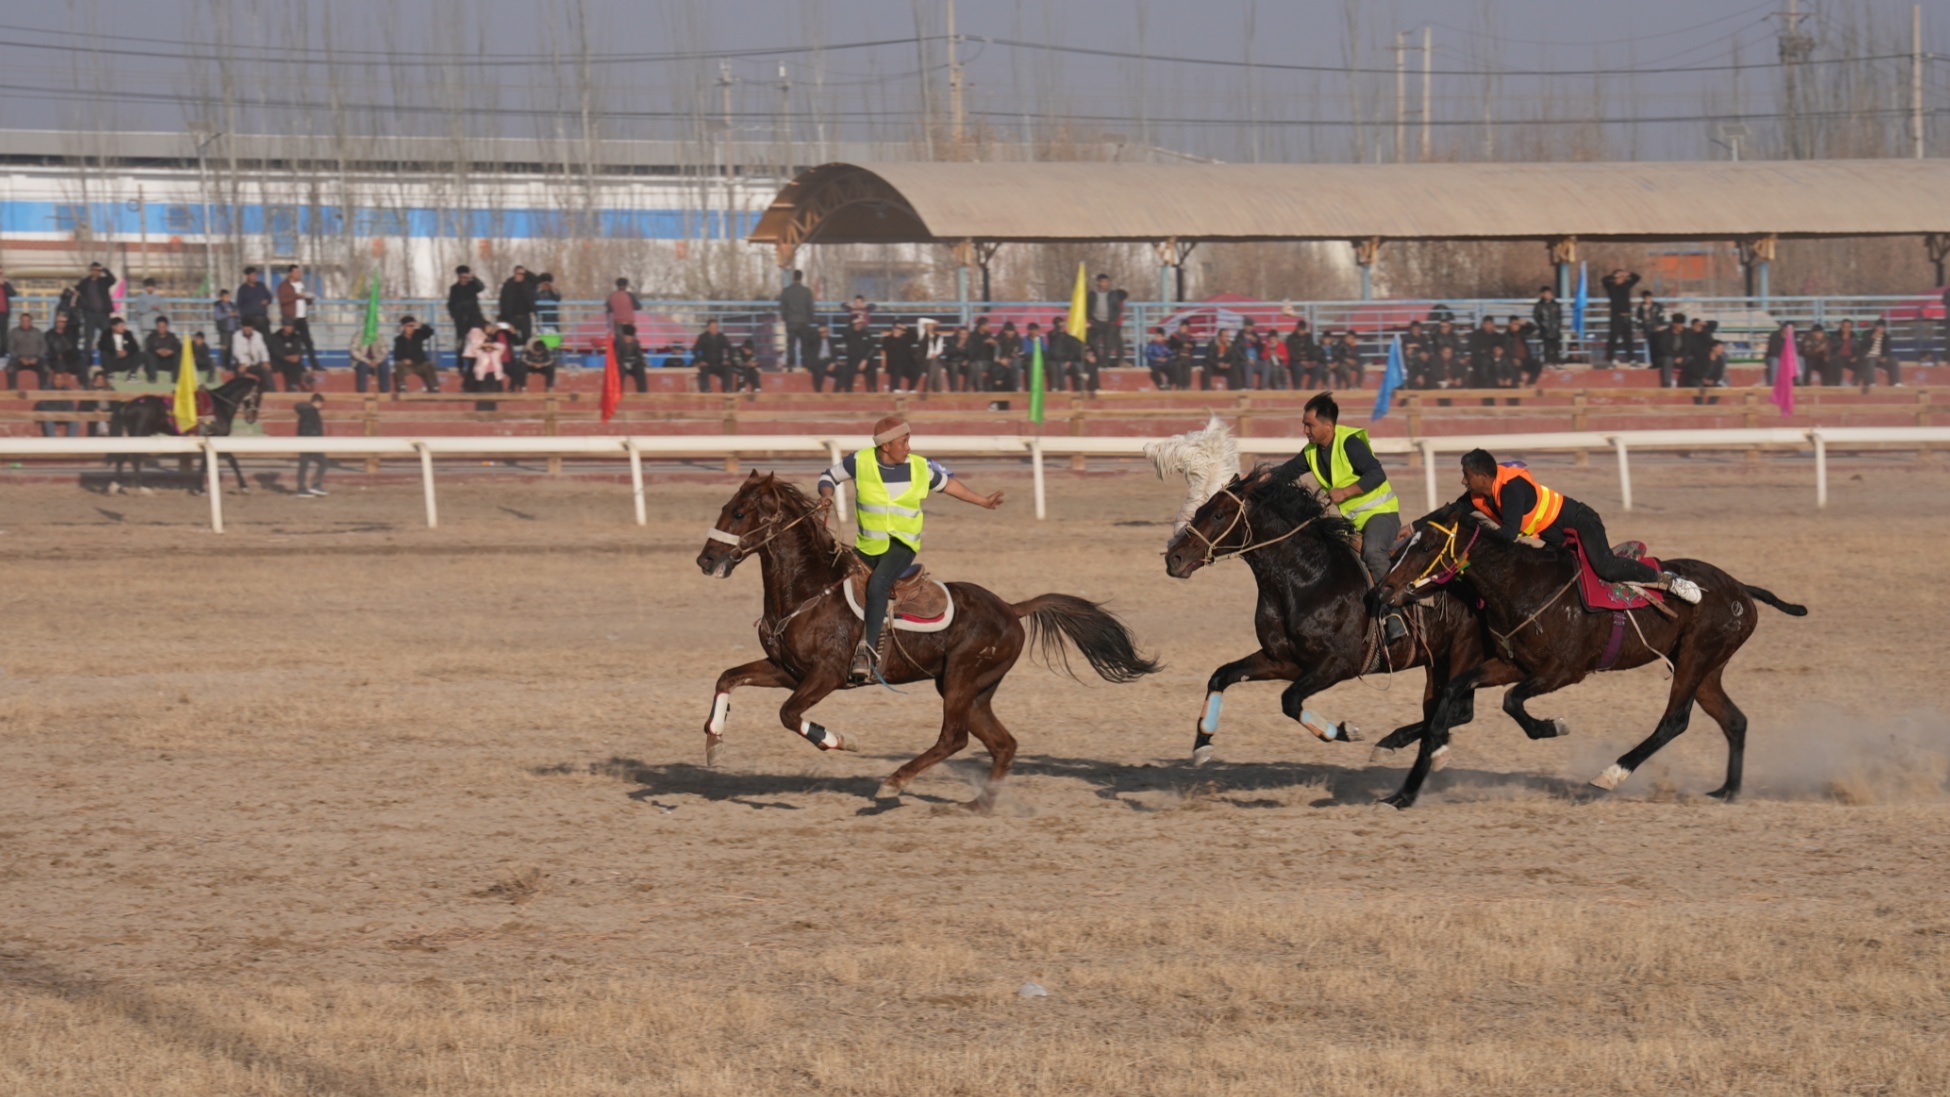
1448	563
1214	553
740	550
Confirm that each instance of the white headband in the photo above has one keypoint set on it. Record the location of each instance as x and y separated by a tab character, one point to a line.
891	433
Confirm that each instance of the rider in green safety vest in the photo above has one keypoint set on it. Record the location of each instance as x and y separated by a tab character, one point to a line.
890	484
1343	463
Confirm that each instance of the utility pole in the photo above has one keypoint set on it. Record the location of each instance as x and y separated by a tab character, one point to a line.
784	136
1401	96
724	87
1916	79
954	80
1795	48
1428	69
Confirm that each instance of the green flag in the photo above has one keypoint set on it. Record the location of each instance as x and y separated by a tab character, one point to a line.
203	290
370	333
1036	385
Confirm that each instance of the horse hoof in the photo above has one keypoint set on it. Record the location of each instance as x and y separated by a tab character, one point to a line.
713	744
1440	759
1723	794
1202	755
888	790
1380	754
1400	801
1559	728
145	491
1613	777
850	744
1350	734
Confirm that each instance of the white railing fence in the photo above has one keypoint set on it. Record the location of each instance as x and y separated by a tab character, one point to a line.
635	448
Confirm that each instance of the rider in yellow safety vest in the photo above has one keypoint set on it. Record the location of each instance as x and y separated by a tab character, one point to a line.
1344	465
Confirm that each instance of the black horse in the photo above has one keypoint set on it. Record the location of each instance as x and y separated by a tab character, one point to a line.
147	416
1312	621
1536	626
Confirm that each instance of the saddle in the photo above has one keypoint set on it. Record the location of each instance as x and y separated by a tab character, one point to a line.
1602	597
918	602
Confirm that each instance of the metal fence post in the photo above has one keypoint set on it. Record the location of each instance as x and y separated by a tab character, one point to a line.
1821	467
1036	474
213	483
636	479
426	480
1624	470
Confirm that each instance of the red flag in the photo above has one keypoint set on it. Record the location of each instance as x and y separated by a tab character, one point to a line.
612	381
1785	372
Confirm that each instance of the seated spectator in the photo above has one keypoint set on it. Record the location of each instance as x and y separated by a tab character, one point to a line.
1157	356
27	350
1877	353
64	352
411	358
162	351
288	351
201	360
370	362
121	352
1347	362
744	367
250	355
538	358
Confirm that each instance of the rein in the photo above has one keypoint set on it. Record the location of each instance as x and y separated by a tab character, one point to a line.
1458	562
738	545
1212	551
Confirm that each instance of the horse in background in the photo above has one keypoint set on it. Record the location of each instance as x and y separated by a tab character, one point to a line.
217	409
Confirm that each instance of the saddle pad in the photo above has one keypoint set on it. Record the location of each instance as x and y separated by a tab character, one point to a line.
1602	597
932	598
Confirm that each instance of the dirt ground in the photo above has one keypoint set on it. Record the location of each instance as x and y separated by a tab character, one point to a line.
335	804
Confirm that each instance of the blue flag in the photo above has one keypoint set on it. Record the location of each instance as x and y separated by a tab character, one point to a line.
1392	378
1578	304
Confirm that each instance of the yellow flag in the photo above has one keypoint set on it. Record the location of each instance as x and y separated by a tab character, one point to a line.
185	406
1079	324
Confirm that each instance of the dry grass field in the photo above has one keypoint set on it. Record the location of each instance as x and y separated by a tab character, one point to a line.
336	805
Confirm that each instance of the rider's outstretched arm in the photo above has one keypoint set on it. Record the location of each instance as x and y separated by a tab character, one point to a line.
958	491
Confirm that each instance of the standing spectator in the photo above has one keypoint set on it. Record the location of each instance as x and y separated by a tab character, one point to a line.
120	351
288	356
1523	364
311	424
69	305
517	303
899	349
201	360
464	309
630	360
224	314
1348	369
859	309
1157	357
162	351
411	358
1651	315
1776	346
981	356
1878	354
820	358
370	362
254	301
7	296
548	304
1548	315
621	307
539	359
251	355
1618	334
27	350
799	314
1304	357
857	350
64	352
1008	358
92	298
711	354
1846	353
1668	344
1106	330
143	307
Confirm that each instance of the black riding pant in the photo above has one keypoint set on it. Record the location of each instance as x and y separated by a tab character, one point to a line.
1591	531
887	567
1377	537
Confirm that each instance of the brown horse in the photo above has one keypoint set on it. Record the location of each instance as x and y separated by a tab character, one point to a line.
1537	626
808	633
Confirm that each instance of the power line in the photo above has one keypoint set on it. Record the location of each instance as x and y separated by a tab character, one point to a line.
1756	9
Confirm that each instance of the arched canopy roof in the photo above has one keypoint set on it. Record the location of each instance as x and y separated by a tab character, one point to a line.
1096	201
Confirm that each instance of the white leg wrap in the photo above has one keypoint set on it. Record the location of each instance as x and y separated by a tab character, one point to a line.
1613	777
720	708
1319	725
1209	723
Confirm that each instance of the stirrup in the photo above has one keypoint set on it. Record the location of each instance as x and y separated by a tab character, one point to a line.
1393	627
863	660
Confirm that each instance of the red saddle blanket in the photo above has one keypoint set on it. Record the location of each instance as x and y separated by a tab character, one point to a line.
1602	597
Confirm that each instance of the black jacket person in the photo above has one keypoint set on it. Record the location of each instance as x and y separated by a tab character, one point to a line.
1515	507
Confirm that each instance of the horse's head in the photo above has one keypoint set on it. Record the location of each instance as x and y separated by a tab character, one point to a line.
753	509
1207	459
1437	551
1219	526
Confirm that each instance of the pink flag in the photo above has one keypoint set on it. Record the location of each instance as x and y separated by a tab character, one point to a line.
1786	371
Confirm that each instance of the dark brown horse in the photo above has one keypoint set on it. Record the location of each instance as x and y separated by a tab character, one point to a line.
147	416
808	634
1537	626
1312	620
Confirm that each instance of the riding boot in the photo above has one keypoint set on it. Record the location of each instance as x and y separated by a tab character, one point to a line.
863	661
1682	588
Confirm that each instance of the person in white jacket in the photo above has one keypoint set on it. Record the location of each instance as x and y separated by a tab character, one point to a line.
250	355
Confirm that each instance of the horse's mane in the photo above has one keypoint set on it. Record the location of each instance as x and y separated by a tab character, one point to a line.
798	503
1288	503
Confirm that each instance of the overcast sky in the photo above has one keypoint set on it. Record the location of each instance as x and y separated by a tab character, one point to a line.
1231	79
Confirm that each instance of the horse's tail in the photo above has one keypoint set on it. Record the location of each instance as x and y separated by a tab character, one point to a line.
1762	595
1095	631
